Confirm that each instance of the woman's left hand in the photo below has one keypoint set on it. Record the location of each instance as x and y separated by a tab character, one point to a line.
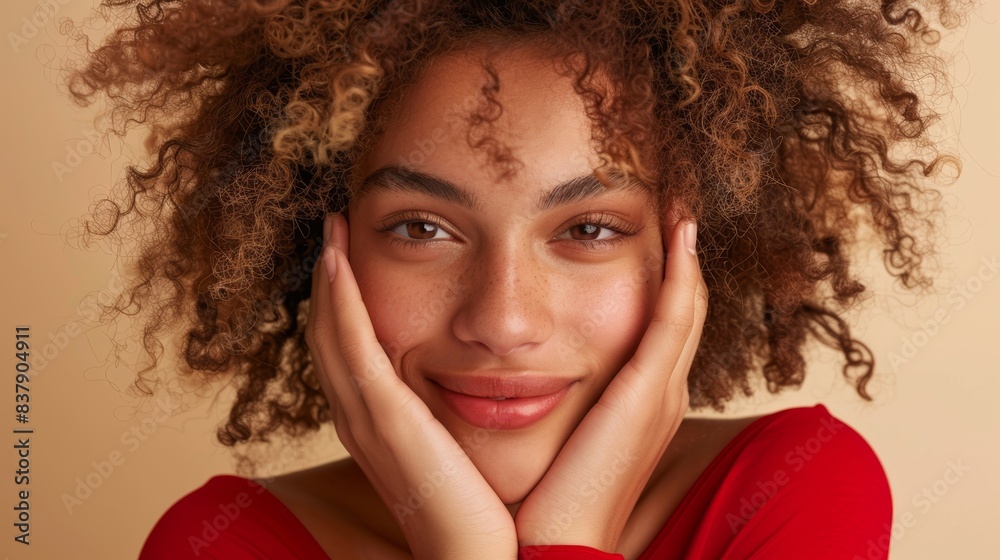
589	492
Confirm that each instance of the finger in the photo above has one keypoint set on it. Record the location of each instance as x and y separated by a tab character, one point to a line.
370	369
331	369
673	215
693	341
339	233
700	302
674	316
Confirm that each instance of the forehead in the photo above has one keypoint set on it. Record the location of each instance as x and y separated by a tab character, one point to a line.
473	106
525	84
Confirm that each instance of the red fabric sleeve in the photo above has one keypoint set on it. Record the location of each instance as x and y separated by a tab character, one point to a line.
797	483
818	490
230	518
564	552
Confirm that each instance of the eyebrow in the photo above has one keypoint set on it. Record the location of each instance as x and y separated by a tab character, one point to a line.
397	178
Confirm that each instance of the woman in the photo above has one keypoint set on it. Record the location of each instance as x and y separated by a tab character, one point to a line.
508	319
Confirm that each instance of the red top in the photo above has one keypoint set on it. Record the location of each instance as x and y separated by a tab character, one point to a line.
794	483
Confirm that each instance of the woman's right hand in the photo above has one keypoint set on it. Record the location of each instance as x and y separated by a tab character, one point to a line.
407	455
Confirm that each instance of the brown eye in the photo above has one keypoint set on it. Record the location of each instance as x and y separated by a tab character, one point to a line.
588	231
421	230
418	230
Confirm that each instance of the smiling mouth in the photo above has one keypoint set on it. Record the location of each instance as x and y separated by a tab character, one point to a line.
527	404
501	384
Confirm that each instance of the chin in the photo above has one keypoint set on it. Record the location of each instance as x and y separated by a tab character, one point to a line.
512	465
511	486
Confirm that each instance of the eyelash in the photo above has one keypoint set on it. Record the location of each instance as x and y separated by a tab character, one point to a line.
600	219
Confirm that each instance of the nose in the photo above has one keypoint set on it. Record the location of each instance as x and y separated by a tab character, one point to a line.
506	307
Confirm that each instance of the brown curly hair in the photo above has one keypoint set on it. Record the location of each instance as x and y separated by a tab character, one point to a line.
779	124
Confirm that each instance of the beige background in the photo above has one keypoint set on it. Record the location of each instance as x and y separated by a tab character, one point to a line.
934	406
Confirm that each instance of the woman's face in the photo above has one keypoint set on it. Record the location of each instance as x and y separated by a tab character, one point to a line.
480	287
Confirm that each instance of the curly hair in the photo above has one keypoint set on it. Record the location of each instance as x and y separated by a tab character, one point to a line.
786	127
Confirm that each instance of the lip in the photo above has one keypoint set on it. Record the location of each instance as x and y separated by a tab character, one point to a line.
526	399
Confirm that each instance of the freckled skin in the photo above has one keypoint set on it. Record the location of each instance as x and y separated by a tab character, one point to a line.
507	286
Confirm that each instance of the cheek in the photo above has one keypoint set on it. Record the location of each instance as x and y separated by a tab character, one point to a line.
607	314
405	308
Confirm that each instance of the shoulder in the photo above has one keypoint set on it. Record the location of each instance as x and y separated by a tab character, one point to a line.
804	478
809	442
226	517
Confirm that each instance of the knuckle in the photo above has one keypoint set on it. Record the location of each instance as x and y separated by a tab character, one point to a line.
316	334
701	291
676	328
614	405
624	399
388	425
353	351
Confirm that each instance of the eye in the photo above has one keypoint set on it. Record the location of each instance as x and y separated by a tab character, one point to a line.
598	231
590	232
419	230
413	229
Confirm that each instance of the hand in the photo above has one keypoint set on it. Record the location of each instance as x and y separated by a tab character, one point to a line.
403	450
589	492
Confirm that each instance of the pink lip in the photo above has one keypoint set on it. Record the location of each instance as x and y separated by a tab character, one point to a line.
527	399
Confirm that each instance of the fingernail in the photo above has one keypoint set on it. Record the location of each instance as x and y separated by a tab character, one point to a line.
327	227
330	262
691	236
